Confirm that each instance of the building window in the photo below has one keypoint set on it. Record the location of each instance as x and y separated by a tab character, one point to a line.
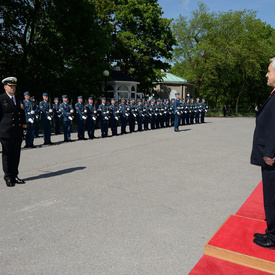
122	88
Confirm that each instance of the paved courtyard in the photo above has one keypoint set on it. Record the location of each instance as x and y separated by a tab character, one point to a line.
141	203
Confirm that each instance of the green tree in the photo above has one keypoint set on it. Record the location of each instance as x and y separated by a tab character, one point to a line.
55	46
141	38
225	53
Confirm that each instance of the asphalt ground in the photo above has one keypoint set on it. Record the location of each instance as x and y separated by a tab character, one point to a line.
141	203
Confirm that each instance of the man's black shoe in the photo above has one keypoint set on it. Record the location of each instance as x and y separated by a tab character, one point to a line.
19	181
259	235
10	183
264	242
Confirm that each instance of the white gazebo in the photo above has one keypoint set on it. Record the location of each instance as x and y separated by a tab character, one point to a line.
121	86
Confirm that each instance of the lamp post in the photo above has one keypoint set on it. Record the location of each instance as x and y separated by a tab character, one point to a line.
106	74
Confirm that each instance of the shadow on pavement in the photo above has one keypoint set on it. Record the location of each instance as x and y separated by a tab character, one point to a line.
57	173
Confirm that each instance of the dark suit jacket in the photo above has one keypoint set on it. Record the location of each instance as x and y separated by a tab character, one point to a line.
12	117
264	134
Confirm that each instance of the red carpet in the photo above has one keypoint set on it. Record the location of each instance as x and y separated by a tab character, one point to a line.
232	251
212	266
253	207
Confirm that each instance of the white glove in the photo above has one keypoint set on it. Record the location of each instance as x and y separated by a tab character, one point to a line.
126	115
85	111
59	116
49	118
95	112
70	118
178	113
116	118
32	112
30	120
94	118
106	118
50	110
72	111
83	117
134	115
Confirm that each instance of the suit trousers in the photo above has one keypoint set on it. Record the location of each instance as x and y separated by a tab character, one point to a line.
268	176
11	149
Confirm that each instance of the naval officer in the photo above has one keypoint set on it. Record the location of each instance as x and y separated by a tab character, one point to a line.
12	122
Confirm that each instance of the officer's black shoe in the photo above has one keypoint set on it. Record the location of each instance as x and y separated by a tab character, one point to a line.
27	146
32	146
10	183
50	143
19	181
259	235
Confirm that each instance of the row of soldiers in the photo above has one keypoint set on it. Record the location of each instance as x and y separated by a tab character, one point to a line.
149	114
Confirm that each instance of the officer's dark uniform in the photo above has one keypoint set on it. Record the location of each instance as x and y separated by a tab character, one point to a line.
192	113
56	117
12	122
188	109
46	118
171	111
153	114
36	117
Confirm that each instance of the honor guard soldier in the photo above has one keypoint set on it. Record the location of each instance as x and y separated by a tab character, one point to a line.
177	112
166	113
56	116
188	109
113	110
153	113
67	117
36	121
91	118
171	111
12	123
197	110
123	115
104	117
46	118
146	115
183	109
81	117
192	109
203	110
30	108
140	115
132	115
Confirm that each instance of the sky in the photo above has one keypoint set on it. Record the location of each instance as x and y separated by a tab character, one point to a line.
265	8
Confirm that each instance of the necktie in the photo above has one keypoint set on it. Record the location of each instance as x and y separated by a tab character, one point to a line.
13	99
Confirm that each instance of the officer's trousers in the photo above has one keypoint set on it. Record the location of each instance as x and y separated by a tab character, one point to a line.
11	149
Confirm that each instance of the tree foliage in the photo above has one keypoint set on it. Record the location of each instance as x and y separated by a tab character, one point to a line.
226	54
63	46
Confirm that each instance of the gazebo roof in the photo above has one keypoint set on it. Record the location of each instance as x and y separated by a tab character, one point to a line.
174	79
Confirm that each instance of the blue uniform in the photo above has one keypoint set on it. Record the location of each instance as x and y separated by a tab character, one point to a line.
56	117
203	110
132	116
102	109
30	110
80	119
91	120
192	114
153	115
45	117
65	108
123	116
197	111
187	116
177	114
113	118
140	116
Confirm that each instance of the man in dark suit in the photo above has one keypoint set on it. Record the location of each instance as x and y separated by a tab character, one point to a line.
12	122
263	154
